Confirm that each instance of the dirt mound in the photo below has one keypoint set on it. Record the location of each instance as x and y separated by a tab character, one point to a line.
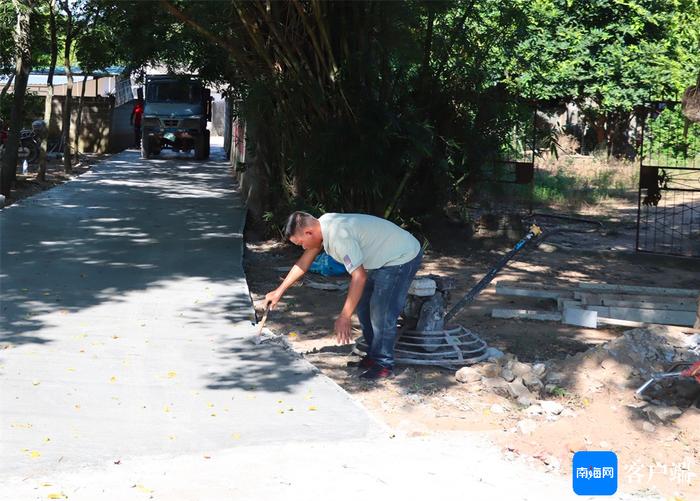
626	362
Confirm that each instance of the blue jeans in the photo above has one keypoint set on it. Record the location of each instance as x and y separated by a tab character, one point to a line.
382	301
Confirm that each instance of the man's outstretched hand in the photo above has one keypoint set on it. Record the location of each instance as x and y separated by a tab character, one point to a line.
343	326
272	298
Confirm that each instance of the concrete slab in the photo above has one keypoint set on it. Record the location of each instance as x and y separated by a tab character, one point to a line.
506	290
125	326
634	289
526	314
450	466
580	317
667	317
639	301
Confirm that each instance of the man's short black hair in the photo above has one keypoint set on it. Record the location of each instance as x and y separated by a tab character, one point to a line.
297	221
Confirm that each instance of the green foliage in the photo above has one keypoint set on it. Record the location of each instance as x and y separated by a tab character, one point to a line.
399	106
7	46
670	138
558	391
33	108
608	56
614	53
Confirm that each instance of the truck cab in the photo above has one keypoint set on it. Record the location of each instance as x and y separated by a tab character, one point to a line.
176	111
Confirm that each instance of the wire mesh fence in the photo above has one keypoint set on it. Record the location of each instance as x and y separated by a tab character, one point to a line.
668	215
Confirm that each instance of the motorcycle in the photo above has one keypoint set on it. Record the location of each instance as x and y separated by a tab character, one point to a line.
29	141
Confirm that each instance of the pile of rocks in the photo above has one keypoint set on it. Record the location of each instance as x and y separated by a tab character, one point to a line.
509	377
618	366
522	382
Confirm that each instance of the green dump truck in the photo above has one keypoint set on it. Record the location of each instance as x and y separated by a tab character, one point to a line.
176	111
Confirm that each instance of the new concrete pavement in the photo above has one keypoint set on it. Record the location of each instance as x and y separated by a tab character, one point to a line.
127	371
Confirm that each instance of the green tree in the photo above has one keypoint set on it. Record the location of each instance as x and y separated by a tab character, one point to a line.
8	17
23	57
608	56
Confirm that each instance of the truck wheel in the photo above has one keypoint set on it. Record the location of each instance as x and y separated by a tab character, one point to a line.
199	149
207	143
145	147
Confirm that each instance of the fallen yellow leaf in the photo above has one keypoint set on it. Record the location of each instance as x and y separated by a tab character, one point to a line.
172	374
236	436
36	382
166	409
143	489
312	407
57	495
21	425
34	454
71	369
113	379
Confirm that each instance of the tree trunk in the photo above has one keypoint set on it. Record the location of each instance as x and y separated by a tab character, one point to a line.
7	85
79	117
67	104
620	146
599	129
48	104
8	172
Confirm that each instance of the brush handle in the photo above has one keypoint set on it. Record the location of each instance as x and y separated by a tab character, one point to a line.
264	318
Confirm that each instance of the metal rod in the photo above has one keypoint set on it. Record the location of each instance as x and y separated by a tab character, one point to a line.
534	231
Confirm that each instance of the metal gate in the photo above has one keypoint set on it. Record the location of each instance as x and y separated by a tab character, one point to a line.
668	212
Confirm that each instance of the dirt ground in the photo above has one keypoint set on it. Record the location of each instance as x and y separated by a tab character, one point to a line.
662	458
27	185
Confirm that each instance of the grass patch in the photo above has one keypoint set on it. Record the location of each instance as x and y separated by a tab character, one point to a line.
574	181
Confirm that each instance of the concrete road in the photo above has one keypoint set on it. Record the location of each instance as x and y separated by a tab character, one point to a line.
125	325
127	372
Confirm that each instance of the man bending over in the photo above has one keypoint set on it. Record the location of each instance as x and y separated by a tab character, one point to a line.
382	260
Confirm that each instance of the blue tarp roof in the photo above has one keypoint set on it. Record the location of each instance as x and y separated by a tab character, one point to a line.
76	70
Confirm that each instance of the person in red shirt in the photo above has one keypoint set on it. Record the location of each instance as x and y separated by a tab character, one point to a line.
135	120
